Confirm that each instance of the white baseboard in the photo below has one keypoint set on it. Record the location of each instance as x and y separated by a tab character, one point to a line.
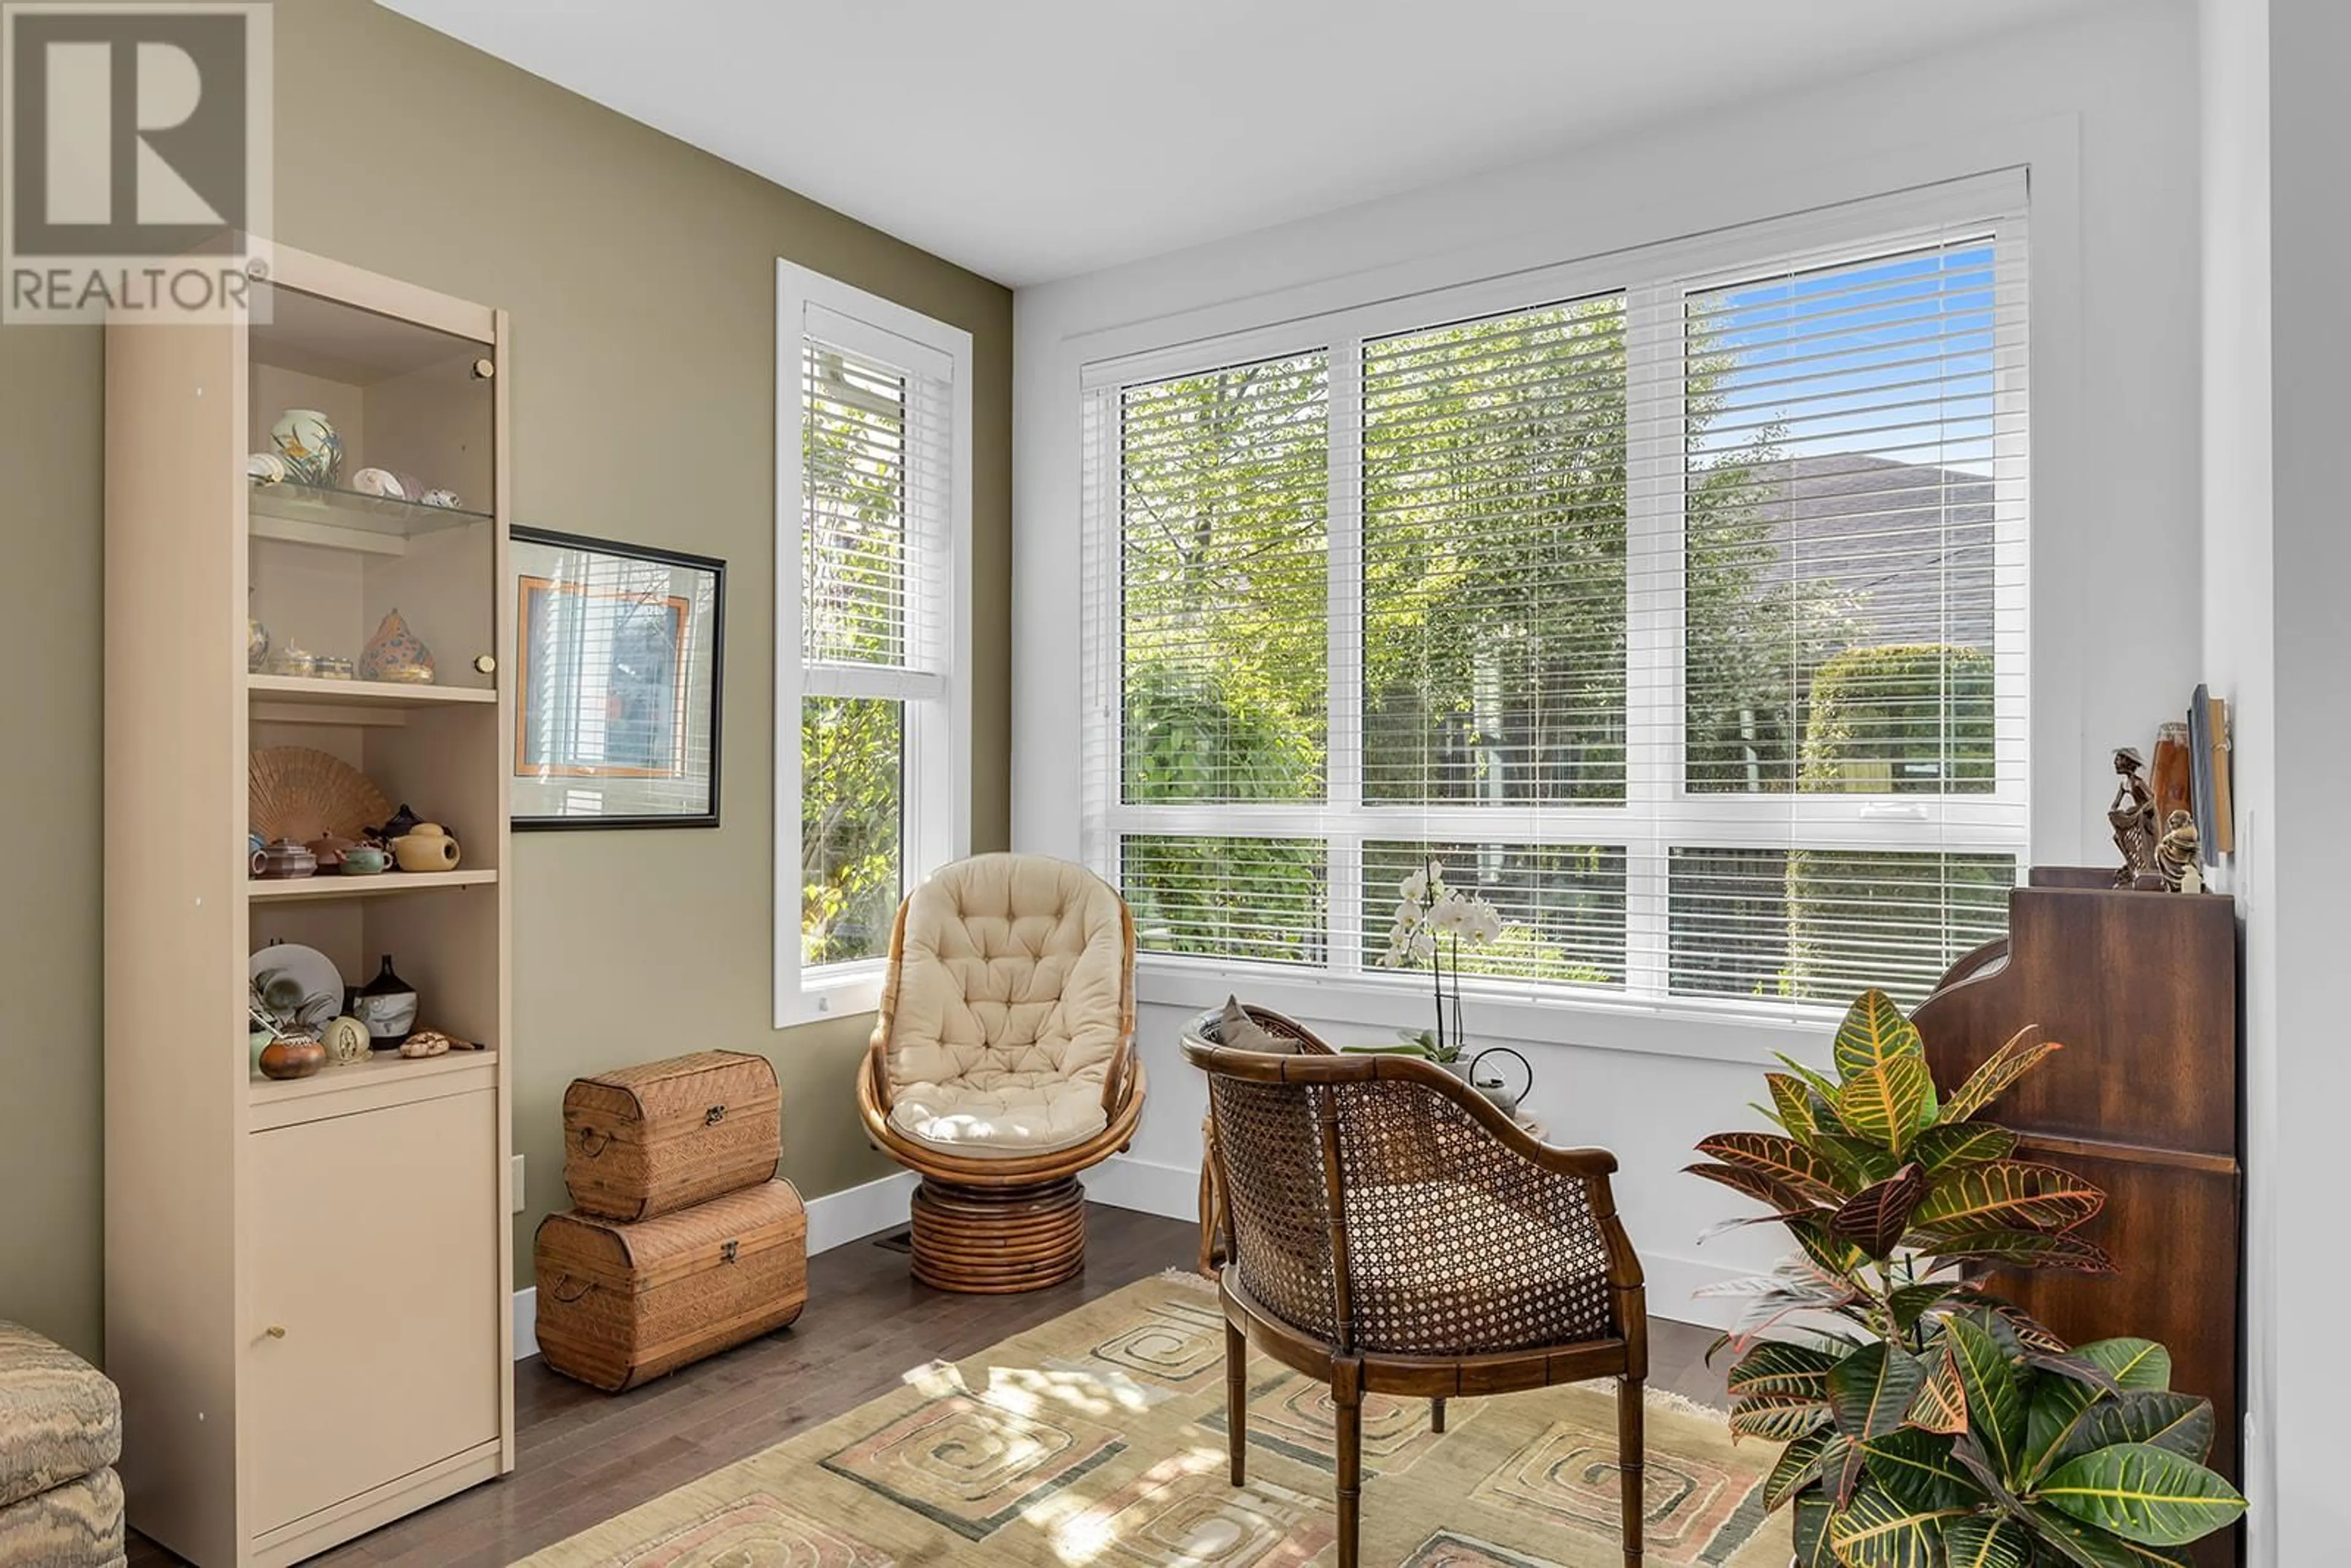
526	1322
840	1217
1672	1286
834	1220
1148	1186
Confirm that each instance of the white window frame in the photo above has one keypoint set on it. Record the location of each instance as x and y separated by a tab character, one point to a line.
1653	280
936	802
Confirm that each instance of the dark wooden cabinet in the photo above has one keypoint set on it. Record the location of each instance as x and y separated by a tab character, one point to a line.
2141	988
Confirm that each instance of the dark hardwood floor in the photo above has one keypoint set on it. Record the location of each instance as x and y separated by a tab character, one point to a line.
584	1456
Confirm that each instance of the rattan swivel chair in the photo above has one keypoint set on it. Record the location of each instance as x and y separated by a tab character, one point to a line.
1395	1233
1003	1063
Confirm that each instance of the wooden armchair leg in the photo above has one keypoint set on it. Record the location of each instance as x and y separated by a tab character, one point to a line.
1347	1396
1436	1416
1630	1449
1236	1399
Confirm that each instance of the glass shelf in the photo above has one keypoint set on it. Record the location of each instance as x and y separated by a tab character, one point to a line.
311	691
315	513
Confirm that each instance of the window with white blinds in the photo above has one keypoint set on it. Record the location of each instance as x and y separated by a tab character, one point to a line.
1680	614
873	500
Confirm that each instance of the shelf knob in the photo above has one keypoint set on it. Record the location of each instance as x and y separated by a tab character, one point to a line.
485	368
486	664
275	1331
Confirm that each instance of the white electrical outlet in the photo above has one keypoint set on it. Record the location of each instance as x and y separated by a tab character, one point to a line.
518	1184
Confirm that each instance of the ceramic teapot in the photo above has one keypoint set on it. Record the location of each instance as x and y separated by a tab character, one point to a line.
426	847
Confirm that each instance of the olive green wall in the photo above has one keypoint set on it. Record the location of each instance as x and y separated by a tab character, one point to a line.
640	274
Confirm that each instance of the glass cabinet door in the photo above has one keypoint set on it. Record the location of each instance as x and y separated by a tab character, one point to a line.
369	499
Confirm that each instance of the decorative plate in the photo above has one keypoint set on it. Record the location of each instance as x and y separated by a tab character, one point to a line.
321	982
301	793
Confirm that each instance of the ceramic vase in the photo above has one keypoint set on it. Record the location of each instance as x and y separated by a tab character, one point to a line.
308	442
396	653
387	1005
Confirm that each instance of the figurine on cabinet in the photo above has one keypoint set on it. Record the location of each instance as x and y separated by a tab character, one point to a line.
2132	816
2177	857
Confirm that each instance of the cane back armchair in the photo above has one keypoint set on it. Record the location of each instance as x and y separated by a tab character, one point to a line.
1215	1226
1395	1233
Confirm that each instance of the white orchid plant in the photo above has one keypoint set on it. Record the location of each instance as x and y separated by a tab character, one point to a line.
1431	922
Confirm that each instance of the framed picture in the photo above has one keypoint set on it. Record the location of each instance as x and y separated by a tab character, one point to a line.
616	683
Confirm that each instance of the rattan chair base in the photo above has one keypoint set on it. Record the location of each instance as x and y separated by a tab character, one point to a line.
998	1240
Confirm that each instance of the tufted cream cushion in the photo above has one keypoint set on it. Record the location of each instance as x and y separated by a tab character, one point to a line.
1007	1007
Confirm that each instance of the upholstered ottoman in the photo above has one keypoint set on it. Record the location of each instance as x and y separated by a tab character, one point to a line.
61	1433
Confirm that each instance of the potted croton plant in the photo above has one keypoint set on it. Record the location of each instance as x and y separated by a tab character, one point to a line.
1927	1423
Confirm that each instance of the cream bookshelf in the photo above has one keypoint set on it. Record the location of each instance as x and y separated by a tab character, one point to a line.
307	1282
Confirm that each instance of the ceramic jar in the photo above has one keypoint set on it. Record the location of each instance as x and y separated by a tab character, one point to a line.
396	653
427	847
308	442
290	1056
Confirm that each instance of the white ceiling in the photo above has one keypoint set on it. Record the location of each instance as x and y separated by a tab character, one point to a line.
1031	140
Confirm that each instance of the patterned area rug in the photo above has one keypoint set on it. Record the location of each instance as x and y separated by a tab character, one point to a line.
1098	1438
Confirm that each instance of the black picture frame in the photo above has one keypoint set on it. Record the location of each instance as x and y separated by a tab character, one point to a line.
539	754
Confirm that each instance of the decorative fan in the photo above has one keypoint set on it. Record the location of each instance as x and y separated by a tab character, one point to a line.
301	793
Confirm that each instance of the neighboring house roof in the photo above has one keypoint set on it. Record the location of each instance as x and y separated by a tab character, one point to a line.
1907	545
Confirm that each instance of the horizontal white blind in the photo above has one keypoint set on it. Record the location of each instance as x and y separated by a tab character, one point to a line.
1683	621
874	618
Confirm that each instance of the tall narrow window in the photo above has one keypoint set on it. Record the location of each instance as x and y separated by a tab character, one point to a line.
872	507
1681	618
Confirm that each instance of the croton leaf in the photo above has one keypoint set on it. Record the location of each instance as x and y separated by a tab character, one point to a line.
1995	1401
2015	1249
1878	1531
1874	1033
1859	1163
2131	1363
1870	1389
1830	1252
1917	1469
1962	1144
2055	1409
1889	1103
2179	1422
1986	1541
1778	1366
1875	1219
2024	1051
1812	1530
2006	1193
2067	1364
2087	1546
2142	1493
1791	1100
1823	1085
1801	1464
1782	1158
1911	1303
1755	1183
1776	1417
1941	1402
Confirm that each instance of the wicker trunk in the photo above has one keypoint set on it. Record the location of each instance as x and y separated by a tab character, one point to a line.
655	1139
621	1304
